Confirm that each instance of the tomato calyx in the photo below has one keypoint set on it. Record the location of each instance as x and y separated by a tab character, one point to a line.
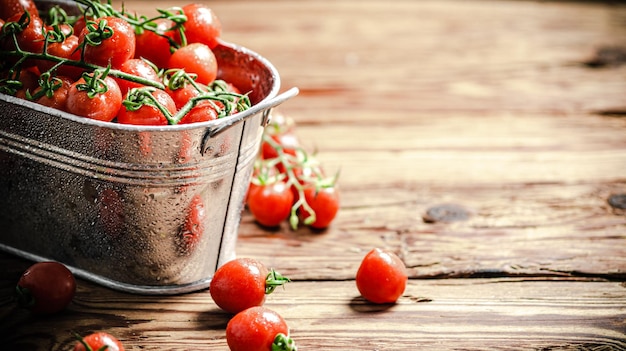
98	32
283	342
274	280
94	83
23	297
48	84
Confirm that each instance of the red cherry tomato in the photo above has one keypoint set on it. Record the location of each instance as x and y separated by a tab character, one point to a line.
67	49
139	68
270	204
324	202
243	283
31	37
381	277
198	59
287	140
99	341
202	26
10	8
202	112
46	287
115	49
258	329
185	93
103	106
155	47
58	100
148	114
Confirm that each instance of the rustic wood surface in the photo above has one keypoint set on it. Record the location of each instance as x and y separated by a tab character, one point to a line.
511	110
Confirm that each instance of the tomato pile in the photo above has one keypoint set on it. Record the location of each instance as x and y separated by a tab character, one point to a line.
116	66
289	183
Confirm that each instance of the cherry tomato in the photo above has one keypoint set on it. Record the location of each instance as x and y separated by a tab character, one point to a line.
139	68
103	106
287	140
31	37
381	277
243	283
46	287
198	59
202	112
58	100
99	341
67	49
270	203
258	329
185	93
155	46
202	26
148	114
324	202
10	8
193	227
115	49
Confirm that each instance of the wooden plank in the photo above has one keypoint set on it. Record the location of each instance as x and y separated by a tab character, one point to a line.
448	314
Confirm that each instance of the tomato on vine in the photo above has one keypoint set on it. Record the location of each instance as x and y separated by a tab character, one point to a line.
243	283
46	288
195	58
323	203
108	41
381	277
96	96
258	329
98	341
202	26
146	106
271	202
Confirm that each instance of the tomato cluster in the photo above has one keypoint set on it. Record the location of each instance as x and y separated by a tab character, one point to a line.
115	66
289	183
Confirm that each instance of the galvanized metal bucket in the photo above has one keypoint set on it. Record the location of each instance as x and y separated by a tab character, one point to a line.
113	201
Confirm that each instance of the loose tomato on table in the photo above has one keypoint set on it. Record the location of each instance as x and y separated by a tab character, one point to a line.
29	31
154	45
258	329
202	26
99	341
46	288
381	277
243	283
56	96
138	68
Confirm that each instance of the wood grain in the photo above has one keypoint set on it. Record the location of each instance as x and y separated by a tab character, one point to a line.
506	108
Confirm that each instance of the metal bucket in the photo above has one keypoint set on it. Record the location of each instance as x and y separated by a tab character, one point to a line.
112	201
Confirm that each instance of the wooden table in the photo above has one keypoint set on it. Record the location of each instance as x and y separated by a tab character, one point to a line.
513	110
